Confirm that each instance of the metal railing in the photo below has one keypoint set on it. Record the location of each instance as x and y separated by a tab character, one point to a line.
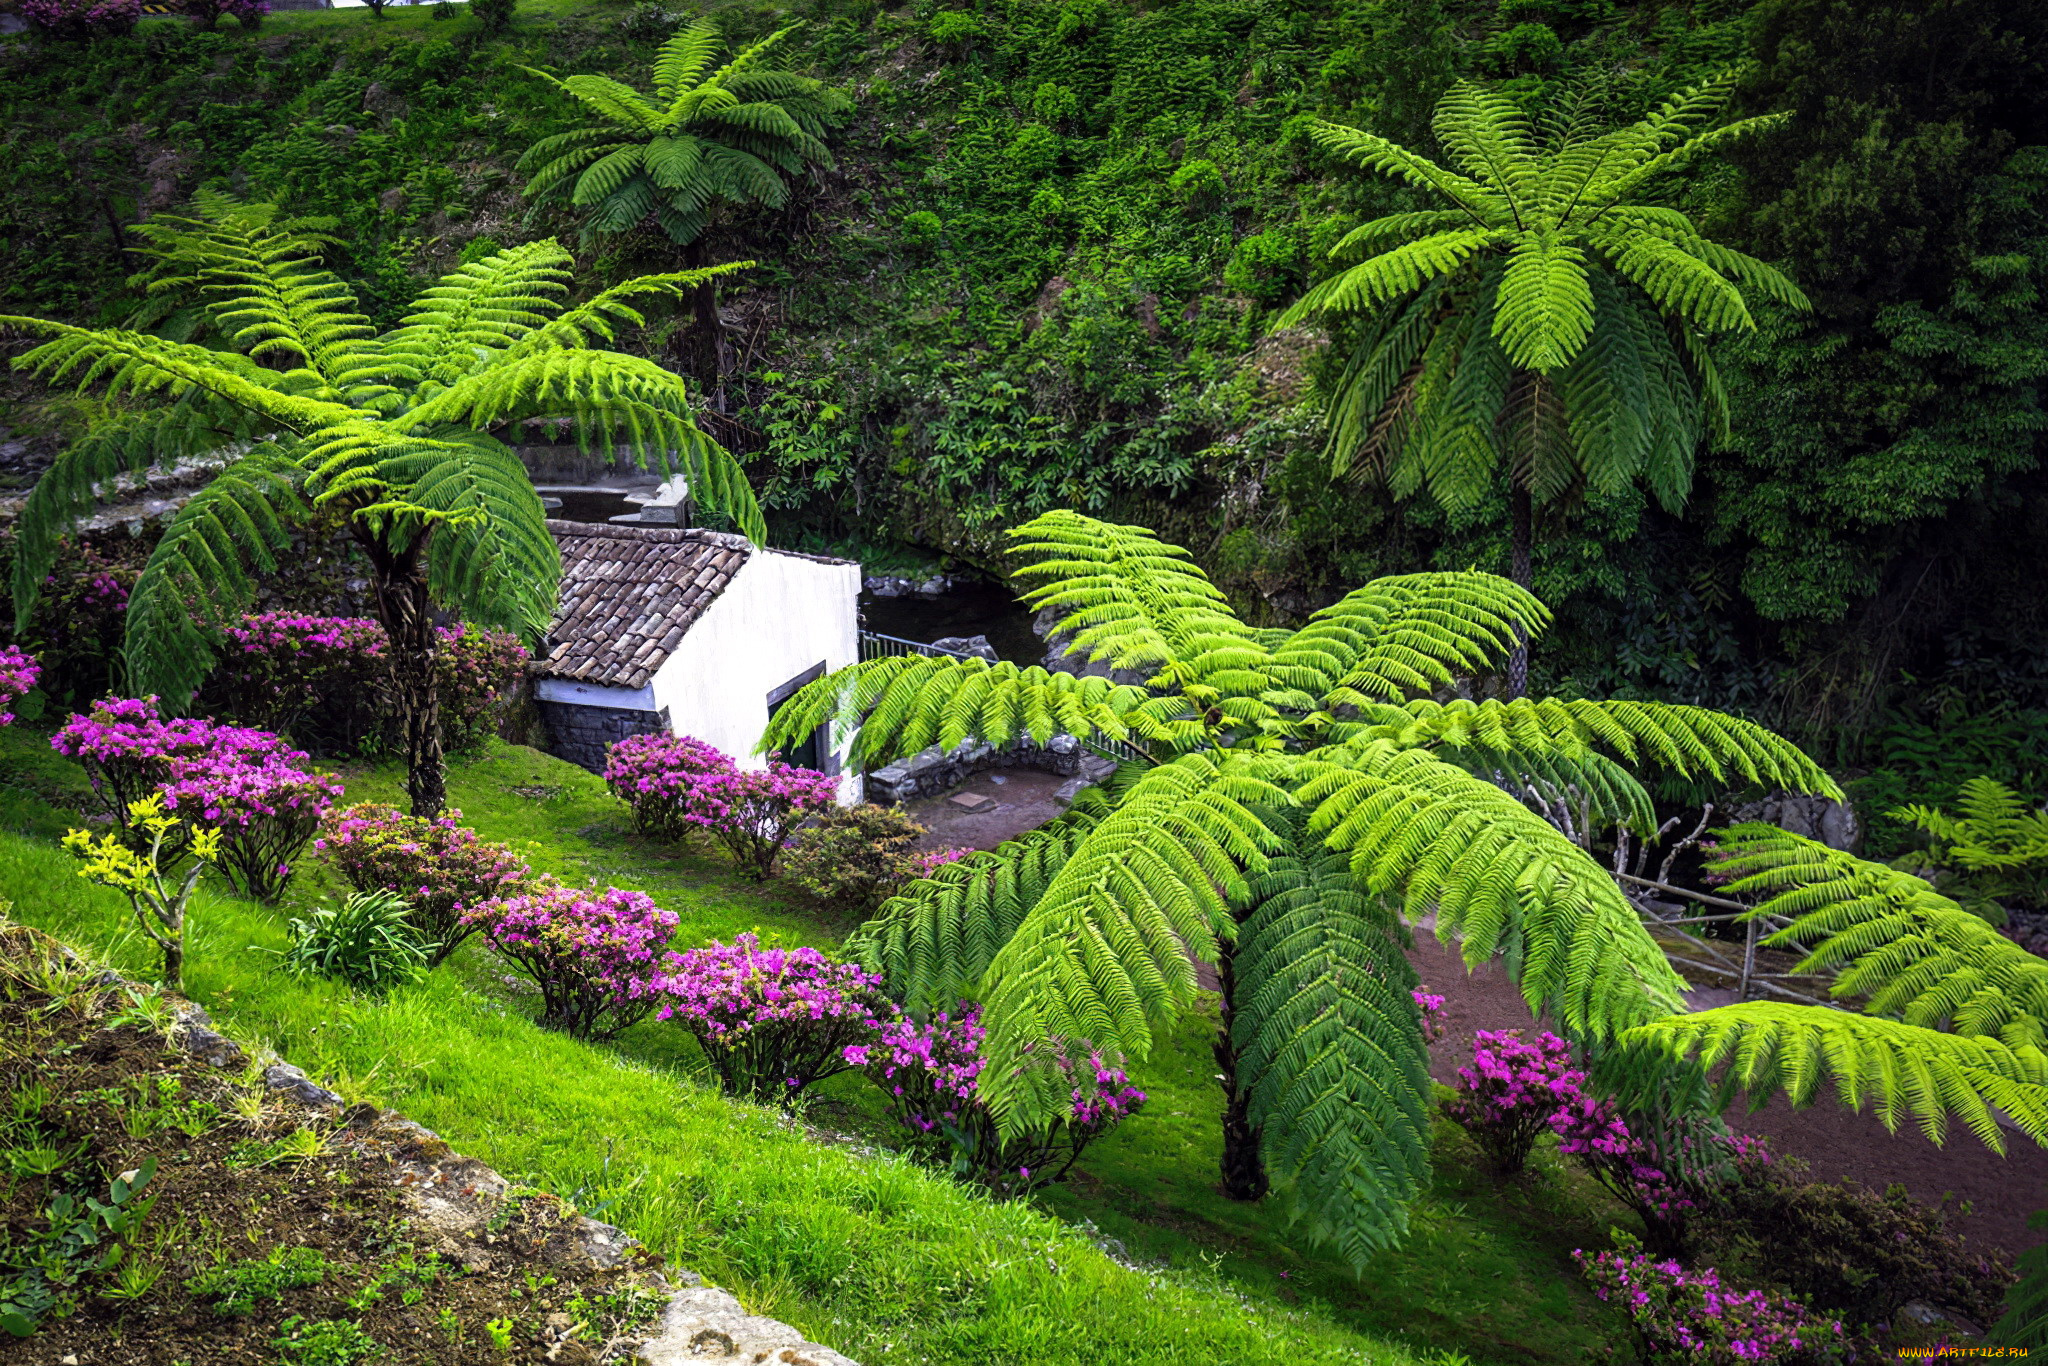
875	645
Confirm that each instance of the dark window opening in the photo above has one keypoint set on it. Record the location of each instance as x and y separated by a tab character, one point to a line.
812	752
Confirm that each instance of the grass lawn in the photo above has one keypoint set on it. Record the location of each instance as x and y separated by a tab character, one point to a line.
864	1252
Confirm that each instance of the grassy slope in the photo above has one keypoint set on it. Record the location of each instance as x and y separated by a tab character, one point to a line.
876	1258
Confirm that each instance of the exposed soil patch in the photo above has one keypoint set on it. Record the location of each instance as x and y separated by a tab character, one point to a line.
1834	1140
1020	800
272	1231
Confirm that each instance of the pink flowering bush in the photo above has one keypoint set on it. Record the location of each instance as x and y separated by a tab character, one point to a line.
676	784
594	955
1508	1093
441	867
327	681
1637	1169
83	18
76	628
770	1021
653	774
753	812
258	791
929	861
1432	1007
929	1071
18	673
1691	1317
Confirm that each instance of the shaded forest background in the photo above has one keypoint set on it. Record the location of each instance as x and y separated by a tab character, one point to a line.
1044	270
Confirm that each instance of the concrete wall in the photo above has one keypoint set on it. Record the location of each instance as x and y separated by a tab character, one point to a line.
780	616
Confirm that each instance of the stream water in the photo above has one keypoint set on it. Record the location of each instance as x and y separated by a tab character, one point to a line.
975	609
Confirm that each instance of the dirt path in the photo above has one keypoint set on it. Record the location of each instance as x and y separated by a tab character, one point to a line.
1836	1141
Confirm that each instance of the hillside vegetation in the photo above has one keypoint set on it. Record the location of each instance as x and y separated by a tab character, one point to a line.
1044	270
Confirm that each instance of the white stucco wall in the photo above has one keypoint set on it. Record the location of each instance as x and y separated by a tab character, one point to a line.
780	615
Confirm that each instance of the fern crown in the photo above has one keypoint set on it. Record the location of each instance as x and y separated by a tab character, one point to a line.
311	409
706	136
1549	316
1302	796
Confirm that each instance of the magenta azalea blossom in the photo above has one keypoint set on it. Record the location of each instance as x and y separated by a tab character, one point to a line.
18	673
263	795
1507	1094
1682	1315
929	1072
593	954
770	1021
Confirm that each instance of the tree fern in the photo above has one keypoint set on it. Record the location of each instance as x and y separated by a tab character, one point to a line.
392	431
705	139
1546	327
1303	789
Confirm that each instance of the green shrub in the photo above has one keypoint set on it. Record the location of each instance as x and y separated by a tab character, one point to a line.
955	28
921	229
369	942
495	16
1266	266
1198	184
1529	47
234	1287
855	857
1849	1250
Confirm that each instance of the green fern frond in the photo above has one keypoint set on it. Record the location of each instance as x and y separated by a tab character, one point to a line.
478	311
1331	1050
1685	740
86	473
1107	955
1123	594
1408	633
909	703
1900	1069
1890	937
1496	877
1993	830
684	58
203	572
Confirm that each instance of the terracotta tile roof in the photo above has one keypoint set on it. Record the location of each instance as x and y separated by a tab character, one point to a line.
628	595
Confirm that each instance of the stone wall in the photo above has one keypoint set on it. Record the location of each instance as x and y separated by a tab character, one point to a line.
581	734
934	770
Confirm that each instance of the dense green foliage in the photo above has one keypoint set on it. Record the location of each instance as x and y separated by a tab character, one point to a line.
1044	271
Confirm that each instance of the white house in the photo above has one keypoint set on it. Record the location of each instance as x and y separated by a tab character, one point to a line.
693	632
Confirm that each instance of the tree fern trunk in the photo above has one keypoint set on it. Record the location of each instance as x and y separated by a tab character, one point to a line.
1522	516
708	325
406	613
1244	1165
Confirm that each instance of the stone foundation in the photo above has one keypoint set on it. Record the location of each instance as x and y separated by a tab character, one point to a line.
581	734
